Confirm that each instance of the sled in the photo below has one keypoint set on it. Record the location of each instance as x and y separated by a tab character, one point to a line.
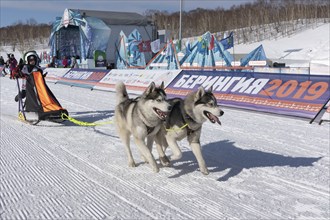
39	100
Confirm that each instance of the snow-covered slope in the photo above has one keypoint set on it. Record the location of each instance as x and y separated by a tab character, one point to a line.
261	167
310	45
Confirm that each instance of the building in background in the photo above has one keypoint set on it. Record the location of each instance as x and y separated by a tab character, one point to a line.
80	32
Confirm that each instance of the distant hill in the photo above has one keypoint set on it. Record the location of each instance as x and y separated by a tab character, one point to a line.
303	47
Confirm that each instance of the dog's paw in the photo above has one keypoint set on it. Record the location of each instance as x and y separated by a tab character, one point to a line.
144	159
155	169
176	157
165	161
205	171
131	164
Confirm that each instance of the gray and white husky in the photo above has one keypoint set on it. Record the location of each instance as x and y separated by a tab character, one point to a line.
185	120
141	118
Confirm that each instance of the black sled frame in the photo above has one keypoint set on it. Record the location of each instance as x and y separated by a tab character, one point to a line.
21	106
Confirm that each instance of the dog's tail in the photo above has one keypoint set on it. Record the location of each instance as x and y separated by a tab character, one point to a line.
121	91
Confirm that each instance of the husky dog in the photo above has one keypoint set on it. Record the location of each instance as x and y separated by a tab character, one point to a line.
141	118
185	120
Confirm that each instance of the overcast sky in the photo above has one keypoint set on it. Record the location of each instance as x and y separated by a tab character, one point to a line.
46	11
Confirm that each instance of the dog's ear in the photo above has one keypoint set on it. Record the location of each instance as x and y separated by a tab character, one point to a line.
210	89
200	92
162	86
150	88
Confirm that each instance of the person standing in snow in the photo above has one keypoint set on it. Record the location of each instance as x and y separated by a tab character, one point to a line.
65	62
53	63
21	63
74	63
2	61
12	63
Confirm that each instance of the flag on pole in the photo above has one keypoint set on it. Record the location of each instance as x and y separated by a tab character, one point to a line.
188	47
144	46
228	42
169	51
178	45
155	46
211	46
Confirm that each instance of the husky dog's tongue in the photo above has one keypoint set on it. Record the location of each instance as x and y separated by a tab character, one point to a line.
212	117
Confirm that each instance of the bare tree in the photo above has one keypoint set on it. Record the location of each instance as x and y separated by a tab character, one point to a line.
251	21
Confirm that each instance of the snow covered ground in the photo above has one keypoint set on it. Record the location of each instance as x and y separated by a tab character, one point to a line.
261	167
310	45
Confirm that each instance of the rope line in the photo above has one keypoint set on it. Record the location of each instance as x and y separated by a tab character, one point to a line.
177	129
83	123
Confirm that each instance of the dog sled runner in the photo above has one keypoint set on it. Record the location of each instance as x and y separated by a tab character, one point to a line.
40	103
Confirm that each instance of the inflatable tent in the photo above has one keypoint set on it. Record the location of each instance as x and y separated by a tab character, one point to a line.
255	55
165	59
135	57
205	52
121	52
77	35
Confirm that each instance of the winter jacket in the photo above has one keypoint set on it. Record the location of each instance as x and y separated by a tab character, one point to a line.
12	63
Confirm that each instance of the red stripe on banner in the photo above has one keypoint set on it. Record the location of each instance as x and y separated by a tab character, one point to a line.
97	76
107	85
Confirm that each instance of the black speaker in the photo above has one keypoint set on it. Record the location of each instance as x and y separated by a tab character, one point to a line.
278	64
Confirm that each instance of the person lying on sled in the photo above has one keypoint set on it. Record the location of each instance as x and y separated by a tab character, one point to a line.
32	65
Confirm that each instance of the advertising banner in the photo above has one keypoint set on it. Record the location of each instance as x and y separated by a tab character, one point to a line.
100	58
83	77
136	81
295	95
55	74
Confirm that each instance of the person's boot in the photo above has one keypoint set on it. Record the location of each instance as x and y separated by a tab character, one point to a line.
20	95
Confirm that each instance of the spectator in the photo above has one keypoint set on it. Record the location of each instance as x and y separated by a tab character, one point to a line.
74	63
2	61
53	63
21	63
6	66
69	62
65	62
12	63
7	61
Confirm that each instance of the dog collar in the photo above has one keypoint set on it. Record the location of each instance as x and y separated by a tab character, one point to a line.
191	122
149	128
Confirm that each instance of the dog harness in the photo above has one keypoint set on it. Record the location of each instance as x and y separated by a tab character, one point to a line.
149	129
189	121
